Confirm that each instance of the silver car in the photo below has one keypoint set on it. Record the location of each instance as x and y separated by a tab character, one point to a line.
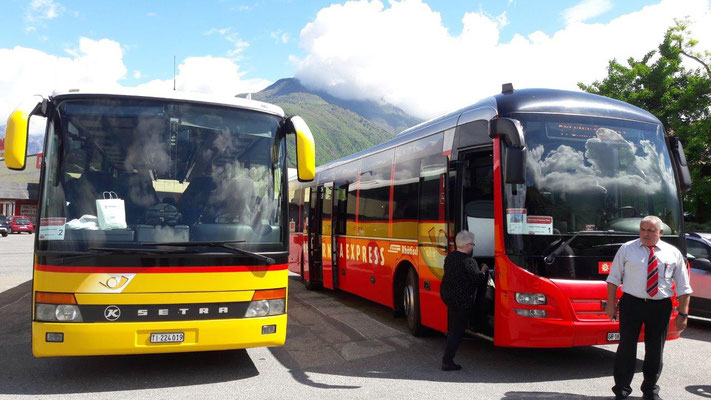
698	249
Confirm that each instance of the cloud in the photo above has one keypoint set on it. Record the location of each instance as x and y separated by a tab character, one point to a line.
25	71
40	11
407	57
232	37
586	10
213	75
99	64
280	36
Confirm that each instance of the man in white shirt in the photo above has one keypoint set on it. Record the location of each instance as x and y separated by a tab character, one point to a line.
646	268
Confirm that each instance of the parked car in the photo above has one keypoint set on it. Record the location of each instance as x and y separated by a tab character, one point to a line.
698	249
20	223
4	226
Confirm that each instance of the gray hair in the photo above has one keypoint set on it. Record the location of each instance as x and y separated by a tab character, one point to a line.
654	220
462	238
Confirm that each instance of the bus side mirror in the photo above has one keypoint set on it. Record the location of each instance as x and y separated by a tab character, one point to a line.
680	161
511	131
17	132
305	149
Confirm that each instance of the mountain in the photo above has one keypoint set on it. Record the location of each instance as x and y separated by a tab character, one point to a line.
340	127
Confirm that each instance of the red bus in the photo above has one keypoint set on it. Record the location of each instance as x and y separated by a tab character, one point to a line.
550	182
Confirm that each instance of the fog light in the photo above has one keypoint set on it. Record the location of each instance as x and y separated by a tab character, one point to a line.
268	329
531	298
57	337
530	313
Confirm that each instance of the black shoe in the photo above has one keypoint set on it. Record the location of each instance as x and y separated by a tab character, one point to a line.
651	396
451	367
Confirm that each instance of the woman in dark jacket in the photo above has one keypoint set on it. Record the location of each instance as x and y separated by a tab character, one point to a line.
461	278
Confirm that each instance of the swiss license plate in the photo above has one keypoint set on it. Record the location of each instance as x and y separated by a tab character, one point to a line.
172	337
613	336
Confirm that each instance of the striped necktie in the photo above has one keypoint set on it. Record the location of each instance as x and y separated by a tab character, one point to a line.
652	273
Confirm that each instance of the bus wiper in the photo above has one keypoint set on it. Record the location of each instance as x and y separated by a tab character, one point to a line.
222	244
101	251
555	253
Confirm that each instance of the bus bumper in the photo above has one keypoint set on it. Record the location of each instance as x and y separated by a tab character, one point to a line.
549	333
84	339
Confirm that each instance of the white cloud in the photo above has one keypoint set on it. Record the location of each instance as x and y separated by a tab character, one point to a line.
212	75
232	37
585	10
280	36
25	71
407	57
99	64
40	11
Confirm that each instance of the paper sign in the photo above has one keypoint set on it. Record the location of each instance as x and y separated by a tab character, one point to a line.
539	225
516	220
52	228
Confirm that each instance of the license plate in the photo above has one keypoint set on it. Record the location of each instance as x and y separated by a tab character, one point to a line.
613	336
172	337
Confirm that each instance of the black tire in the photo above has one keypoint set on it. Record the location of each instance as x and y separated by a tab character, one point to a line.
4	234
411	303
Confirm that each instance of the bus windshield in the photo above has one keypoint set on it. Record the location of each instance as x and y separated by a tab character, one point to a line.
589	174
126	172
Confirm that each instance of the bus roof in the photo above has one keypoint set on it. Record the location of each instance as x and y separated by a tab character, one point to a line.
219	100
569	102
551	101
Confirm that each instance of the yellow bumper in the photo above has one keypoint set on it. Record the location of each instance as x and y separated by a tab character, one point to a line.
83	339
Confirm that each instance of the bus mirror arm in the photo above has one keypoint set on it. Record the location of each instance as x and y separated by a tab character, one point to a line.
680	163
508	129
511	131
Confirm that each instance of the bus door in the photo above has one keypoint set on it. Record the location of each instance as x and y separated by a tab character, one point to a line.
315	275
432	239
327	244
476	186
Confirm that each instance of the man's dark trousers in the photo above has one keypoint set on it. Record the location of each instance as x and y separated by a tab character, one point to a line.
634	312
457	320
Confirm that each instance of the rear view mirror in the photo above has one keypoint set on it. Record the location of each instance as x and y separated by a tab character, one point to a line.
17	131
680	162
511	131
305	148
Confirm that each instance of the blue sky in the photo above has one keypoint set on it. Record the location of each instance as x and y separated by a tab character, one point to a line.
405	52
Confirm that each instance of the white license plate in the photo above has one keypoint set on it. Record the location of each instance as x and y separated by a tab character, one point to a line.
613	336
172	337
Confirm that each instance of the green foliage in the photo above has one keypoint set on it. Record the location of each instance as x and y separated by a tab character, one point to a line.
679	97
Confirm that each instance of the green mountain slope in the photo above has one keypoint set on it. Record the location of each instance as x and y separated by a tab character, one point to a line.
339	127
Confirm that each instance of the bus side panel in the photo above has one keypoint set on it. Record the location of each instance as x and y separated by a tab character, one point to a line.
326	263
296	248
362	259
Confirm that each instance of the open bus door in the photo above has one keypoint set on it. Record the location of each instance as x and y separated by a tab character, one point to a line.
314	252
476	197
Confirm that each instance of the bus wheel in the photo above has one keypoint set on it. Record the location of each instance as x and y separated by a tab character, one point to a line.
411	303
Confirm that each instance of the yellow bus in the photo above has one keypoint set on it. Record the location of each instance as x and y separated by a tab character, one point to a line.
161	222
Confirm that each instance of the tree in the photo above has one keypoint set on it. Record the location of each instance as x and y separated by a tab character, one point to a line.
679	97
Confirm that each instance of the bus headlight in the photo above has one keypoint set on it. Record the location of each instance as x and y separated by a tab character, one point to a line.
57	313
262	308
535	299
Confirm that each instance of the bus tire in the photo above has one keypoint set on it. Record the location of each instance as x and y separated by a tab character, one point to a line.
411	303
